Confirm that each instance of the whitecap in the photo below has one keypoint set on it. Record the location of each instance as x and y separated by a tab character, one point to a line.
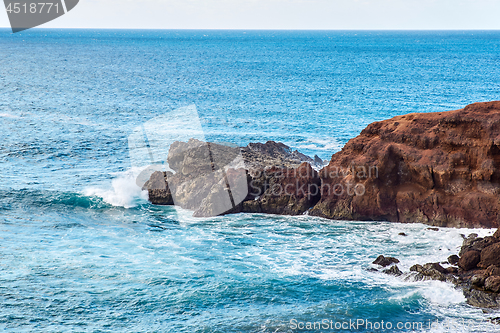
124	191
7	115
326	144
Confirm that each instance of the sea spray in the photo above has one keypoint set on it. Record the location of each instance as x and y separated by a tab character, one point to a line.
124	191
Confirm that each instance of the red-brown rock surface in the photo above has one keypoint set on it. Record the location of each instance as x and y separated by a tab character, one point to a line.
469	260
440	168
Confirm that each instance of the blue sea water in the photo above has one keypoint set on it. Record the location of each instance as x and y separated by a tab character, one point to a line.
82	250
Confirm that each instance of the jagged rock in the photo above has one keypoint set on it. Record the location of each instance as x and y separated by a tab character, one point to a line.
492	284
385	261
477	243
402	234
453	259
438	168
158	190
394	270
214	179
481	299
230	189
264	155
478	280
433	229
451	270
431	271
490	256
481	287
493	270
469	260
283	191
273	191
196	158
481	243
497	234
435	271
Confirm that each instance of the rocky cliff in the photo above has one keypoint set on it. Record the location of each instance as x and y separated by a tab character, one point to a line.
441	169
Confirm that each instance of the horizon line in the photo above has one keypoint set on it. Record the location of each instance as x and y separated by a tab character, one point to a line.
250	29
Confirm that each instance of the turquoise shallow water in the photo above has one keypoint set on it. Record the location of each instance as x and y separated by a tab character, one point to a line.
82	250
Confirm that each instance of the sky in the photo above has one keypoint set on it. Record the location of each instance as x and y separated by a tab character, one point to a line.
281	14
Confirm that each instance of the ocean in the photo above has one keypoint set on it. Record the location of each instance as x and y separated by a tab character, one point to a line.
82	250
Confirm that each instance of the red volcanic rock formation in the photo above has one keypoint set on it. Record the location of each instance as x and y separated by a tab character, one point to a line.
441	169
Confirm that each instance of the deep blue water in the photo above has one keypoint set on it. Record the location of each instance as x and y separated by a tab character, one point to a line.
82	250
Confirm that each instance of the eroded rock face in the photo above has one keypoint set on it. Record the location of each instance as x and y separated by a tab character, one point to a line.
283	191
213	179
469	260
490	256
441	169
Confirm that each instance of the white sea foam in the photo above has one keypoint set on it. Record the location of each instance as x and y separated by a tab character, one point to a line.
7	115
326	144
124	191
350	247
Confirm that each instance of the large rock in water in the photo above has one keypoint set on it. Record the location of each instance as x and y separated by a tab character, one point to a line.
441	169
213	179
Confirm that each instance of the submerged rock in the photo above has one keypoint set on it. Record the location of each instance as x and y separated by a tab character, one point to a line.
385	261
394	270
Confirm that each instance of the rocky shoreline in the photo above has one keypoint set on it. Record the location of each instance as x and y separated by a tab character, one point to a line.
475	270
441	169
213	179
